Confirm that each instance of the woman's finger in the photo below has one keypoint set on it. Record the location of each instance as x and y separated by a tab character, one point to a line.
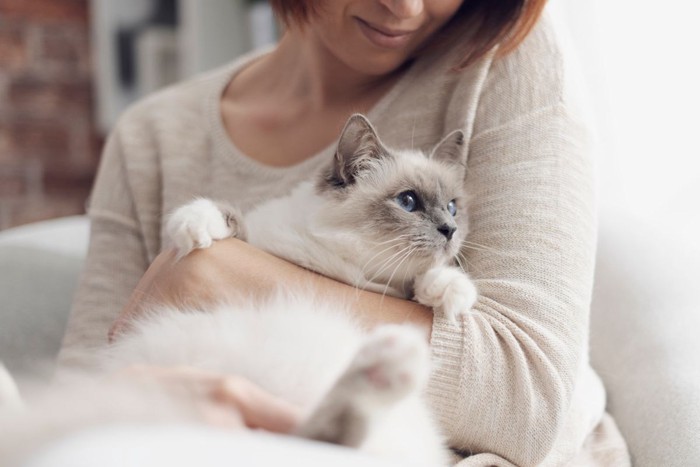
224	400
259	409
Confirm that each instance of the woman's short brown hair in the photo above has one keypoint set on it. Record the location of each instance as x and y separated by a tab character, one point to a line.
477	27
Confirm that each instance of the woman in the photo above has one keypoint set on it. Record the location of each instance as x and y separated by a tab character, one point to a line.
512	382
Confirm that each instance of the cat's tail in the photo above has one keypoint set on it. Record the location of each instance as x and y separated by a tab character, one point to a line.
9	393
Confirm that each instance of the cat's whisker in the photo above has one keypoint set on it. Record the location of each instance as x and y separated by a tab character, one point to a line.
469	242
404	258
469	247
361	274
387	246
389	262
479	247
470	265
390	240
395	242
461	256
403	280
461	266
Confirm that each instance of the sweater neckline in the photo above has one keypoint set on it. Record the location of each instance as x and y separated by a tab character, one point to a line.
225	146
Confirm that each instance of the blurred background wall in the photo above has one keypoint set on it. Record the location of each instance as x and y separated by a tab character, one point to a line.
640	65
69	68
48	140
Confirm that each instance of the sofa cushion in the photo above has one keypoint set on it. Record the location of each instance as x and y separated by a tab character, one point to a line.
644	338
36	290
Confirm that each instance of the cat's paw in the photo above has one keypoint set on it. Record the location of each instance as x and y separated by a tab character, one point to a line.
199	223
446	289
393	362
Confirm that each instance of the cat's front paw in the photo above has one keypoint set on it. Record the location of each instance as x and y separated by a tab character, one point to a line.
446	289
198	223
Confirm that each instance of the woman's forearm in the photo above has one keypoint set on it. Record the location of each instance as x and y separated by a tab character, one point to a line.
232	268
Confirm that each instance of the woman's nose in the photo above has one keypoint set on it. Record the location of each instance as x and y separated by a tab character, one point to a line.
404	8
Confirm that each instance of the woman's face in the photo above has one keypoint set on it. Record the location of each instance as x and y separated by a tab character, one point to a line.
375	37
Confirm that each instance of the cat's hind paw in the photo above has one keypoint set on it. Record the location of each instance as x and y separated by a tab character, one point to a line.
446	289
199	223
392	363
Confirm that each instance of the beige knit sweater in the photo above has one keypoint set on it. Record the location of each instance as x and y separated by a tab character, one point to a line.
513	380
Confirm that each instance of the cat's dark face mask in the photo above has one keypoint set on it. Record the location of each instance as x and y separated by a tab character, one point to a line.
407	207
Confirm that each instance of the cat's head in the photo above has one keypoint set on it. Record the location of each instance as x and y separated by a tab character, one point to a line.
401	205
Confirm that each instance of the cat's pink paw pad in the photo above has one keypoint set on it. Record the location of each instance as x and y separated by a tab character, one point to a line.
393	361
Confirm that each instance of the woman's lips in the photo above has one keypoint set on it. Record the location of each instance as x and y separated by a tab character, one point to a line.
383	37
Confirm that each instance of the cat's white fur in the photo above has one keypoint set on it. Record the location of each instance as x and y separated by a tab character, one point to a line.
313	354
309	351
304	229
355	387
319	231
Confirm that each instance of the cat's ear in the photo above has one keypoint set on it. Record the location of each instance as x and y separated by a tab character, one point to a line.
358	147
452	149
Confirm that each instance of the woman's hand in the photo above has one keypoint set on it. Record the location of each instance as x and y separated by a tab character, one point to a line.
232	269
221	400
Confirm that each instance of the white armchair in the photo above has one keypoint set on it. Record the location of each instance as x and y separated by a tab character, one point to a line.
39	269
645	341
644	325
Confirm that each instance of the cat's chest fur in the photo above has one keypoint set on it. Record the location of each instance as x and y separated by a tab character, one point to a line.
297	228
384	220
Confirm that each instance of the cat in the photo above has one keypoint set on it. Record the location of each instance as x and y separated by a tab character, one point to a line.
381	219
384	220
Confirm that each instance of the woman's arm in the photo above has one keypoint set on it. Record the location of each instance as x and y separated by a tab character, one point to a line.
509	376
231	267
115	262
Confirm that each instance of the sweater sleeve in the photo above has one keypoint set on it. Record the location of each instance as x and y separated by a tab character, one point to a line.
115	262
506	374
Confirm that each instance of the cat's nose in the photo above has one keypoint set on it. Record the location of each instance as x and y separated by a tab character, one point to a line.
447	230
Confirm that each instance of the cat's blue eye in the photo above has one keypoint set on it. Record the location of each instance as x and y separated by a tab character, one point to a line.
452	208
408	200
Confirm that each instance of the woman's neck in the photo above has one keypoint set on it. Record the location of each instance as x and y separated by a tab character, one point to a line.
297	97
301	74
321	78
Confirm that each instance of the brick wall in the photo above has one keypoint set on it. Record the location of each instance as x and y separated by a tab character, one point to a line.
49	146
